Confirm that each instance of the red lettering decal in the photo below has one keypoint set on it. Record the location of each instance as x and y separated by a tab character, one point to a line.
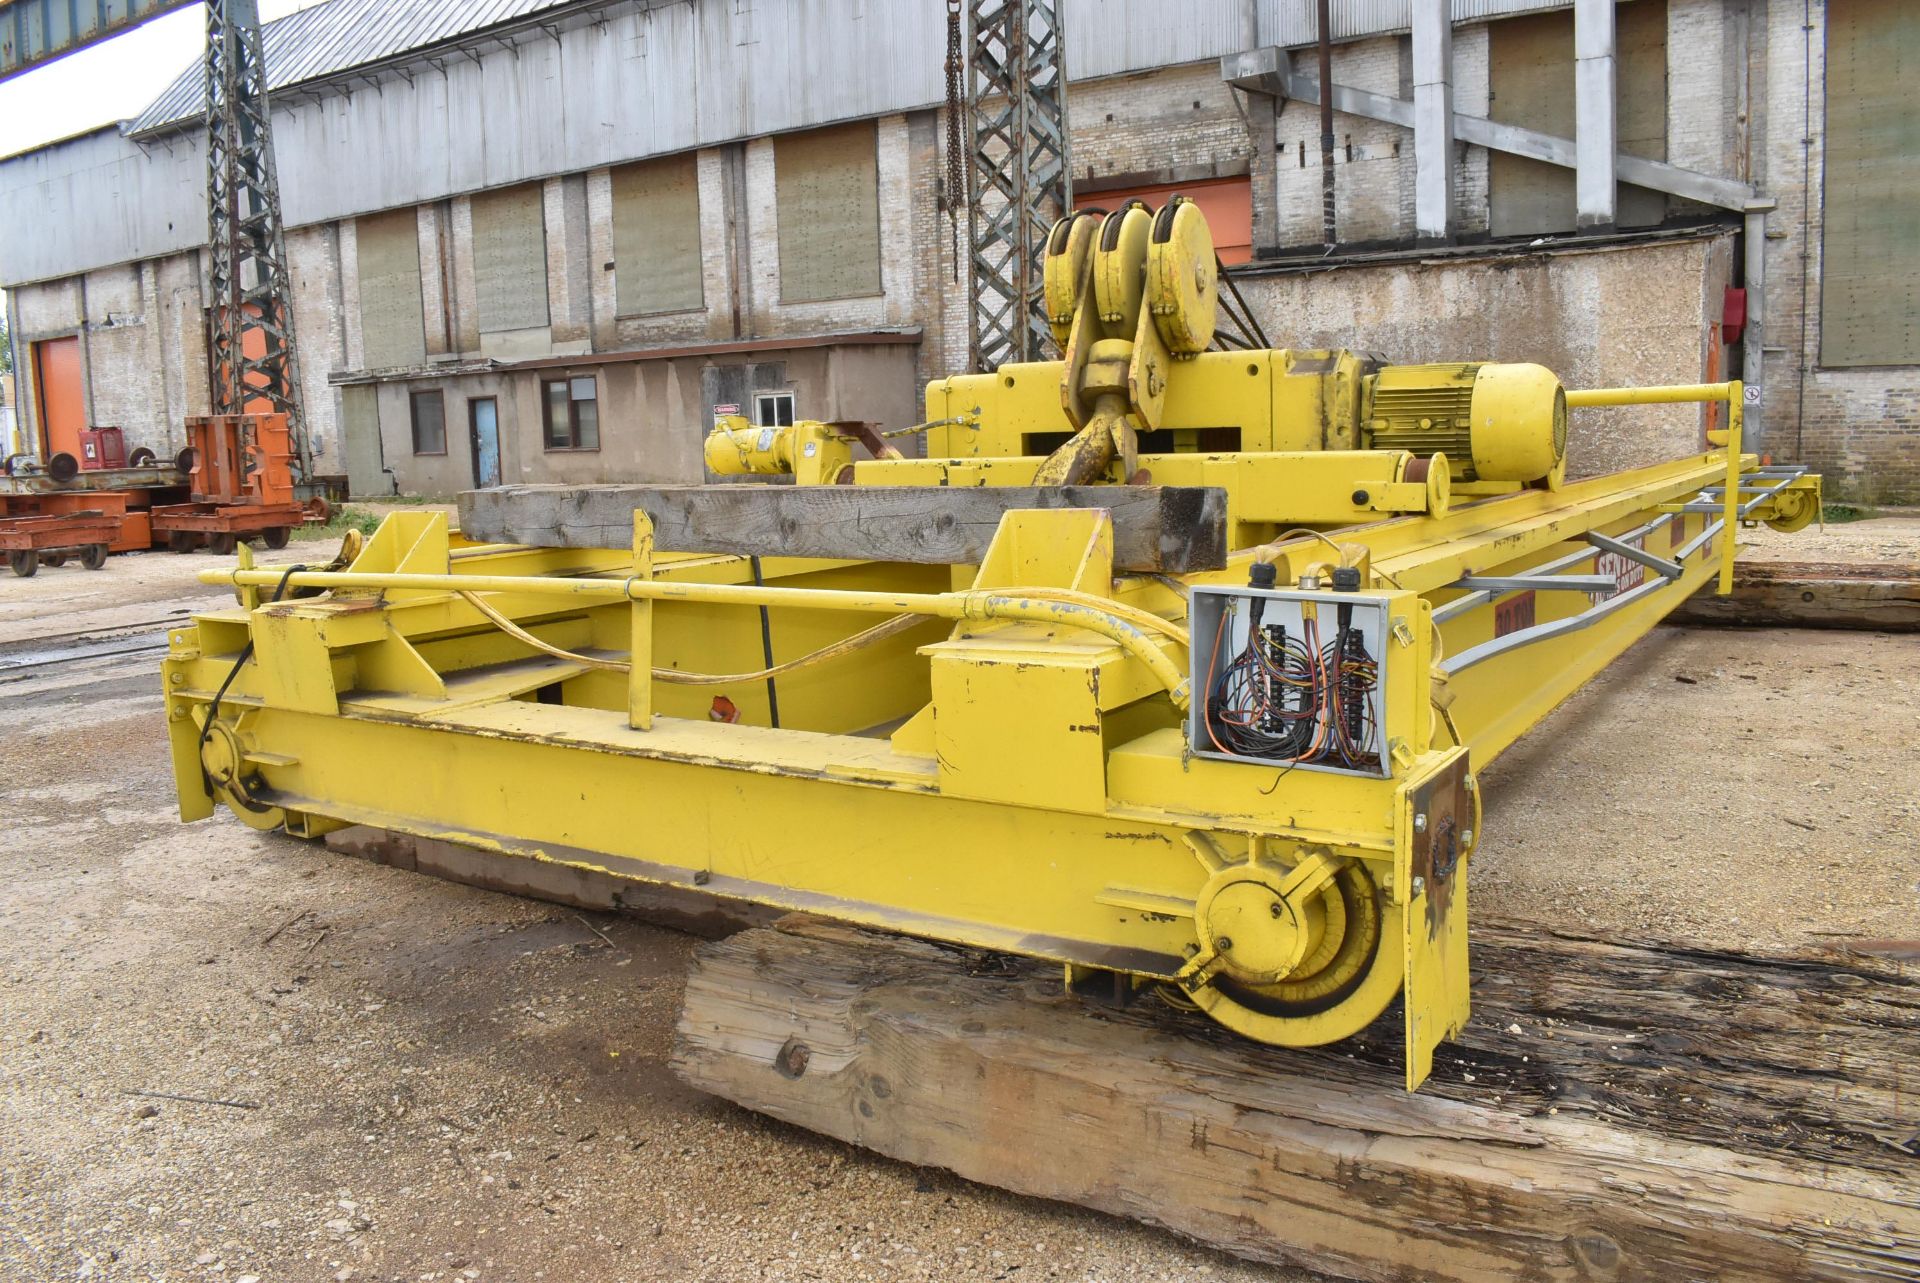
1511	614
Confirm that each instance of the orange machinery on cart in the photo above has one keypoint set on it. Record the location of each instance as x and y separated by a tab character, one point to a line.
67	486
241	480
33	542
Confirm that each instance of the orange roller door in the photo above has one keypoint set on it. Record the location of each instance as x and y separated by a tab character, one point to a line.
1227	203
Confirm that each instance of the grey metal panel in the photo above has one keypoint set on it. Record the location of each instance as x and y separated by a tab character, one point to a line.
392	316
327	39
96	200
510	259
1108	37
656	236
815	37
1291	22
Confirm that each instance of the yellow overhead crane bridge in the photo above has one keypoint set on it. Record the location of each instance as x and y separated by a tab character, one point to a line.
1202	711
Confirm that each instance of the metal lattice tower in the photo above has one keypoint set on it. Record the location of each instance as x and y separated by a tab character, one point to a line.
1020	181
253	357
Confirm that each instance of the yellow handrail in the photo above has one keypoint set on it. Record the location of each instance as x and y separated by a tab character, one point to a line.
1733	393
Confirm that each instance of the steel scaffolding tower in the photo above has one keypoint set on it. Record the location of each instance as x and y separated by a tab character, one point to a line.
1020	182
253	357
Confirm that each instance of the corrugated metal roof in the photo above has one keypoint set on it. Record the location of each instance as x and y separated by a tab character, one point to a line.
327	39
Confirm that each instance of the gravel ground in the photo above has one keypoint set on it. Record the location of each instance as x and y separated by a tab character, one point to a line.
421	1081
1884	539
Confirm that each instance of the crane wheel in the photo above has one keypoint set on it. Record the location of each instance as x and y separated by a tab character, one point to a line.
94	556
53	559
223	757
1793	510
182	541
1340	989
24	562
276	536
222	545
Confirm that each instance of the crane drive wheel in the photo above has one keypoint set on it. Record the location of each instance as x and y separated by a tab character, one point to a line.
223	758
1336	978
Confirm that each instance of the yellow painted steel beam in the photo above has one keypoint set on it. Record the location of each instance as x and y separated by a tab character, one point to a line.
1051	763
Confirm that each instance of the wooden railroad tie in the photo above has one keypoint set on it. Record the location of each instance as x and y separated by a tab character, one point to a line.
1159	529
1883	597
1613	1111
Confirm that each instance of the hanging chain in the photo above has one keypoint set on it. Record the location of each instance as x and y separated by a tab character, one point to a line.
956	109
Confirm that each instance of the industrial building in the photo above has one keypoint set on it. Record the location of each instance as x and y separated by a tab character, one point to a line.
541	240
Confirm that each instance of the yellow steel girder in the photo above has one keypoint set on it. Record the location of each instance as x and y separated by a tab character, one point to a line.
1011	773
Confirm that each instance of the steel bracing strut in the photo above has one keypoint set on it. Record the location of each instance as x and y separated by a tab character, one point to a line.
1021	182
253	355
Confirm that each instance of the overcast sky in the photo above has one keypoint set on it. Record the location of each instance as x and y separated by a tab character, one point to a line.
109	82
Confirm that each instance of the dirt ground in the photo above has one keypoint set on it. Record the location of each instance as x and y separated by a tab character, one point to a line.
411	1080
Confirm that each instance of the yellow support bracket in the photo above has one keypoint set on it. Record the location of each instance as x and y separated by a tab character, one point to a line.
640	661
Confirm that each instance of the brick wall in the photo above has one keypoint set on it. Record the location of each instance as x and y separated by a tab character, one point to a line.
313	266
1179	117
1373	161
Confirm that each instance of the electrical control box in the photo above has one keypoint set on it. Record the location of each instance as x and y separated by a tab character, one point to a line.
1289	677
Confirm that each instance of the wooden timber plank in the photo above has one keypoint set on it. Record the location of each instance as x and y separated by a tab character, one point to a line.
1166	529
1613	1112
1882	597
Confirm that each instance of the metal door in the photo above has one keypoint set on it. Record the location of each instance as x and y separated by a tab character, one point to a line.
62	395
483	418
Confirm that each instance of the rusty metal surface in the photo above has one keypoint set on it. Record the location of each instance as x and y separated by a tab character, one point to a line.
225	519
65	531
1021	171
1440	847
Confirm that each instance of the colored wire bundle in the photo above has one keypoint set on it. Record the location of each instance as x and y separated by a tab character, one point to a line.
1293	698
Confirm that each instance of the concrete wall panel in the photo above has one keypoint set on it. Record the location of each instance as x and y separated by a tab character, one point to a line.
1598	319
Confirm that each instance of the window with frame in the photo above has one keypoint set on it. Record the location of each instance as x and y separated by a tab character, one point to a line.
773	410
571	410
429	422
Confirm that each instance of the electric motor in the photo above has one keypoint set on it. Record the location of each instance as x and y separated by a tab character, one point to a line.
1497	422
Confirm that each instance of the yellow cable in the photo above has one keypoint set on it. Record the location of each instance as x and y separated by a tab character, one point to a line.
845	646
676	677
1140	618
